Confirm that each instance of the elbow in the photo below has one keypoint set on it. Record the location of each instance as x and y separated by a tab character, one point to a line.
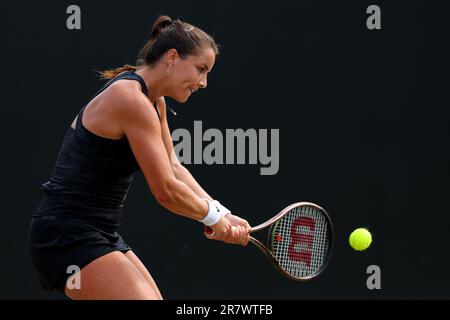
165	194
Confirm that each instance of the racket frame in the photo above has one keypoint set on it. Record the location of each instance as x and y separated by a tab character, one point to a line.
268	250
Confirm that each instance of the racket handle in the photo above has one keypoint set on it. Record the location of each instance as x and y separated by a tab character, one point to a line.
209	231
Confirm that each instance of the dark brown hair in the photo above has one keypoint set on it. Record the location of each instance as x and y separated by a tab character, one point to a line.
167	34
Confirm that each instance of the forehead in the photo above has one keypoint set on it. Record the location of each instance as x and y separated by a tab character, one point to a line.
205	55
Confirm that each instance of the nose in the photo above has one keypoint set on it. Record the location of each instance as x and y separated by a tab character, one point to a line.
203	83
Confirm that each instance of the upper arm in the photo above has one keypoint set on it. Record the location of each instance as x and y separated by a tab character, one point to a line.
142	128
166	136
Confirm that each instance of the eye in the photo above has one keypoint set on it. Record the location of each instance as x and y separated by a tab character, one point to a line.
201	69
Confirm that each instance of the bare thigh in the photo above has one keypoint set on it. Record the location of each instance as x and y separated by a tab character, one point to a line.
141	267
112	277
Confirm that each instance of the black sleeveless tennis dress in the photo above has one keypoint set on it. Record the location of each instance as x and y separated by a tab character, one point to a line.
77	219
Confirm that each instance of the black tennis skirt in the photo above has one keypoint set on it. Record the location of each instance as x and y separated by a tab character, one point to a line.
59	242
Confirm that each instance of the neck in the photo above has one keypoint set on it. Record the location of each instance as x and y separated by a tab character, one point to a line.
154	80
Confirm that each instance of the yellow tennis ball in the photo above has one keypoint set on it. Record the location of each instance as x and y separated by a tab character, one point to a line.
360	239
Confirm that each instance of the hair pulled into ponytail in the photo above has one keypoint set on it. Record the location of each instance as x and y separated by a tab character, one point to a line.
167	34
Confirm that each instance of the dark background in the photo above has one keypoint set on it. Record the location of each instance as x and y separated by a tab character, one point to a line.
363	118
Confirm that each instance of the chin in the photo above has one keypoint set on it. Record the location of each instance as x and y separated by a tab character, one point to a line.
182	99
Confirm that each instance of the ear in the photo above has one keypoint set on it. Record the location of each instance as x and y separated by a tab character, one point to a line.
171	56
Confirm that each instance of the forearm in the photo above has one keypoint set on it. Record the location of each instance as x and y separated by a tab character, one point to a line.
183	174
183	201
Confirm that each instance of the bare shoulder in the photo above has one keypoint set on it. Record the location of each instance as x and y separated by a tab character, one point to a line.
131	108
124	94
122	102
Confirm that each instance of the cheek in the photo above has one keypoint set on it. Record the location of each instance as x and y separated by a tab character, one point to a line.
188	73
183	77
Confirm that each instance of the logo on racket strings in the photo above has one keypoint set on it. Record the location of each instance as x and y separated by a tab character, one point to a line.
300	247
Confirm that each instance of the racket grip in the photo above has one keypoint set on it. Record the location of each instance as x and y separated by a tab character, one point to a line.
209	231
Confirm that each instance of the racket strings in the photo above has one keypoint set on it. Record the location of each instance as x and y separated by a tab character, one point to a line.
300	241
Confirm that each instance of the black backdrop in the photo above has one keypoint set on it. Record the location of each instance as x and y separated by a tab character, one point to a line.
363	126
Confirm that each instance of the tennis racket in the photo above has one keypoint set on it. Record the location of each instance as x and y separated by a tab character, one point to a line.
299	242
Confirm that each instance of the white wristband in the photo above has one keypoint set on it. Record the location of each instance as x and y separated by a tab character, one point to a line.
213	216
224	211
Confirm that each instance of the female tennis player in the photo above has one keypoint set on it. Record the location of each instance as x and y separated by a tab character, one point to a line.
124	129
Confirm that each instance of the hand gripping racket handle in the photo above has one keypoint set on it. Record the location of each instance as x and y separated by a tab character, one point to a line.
210	232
